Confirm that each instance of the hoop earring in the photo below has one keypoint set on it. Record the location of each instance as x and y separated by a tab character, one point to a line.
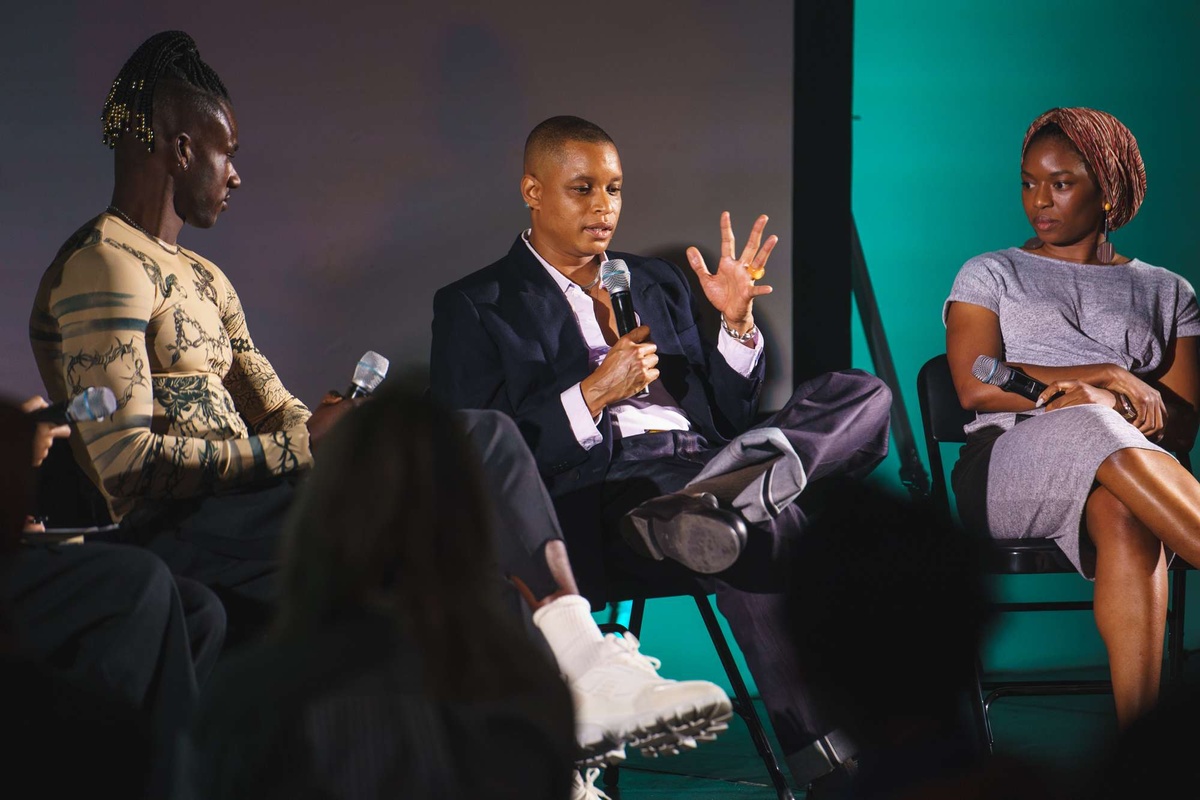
1104	250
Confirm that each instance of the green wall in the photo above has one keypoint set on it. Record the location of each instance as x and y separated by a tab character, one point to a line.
943	92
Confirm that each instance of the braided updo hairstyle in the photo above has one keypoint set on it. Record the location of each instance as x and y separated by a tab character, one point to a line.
170	56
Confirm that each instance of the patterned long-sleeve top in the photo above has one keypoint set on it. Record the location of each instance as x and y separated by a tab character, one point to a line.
199	407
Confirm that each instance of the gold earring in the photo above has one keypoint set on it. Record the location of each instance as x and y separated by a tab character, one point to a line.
1104	250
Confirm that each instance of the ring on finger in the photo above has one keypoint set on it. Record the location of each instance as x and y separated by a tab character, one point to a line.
756	273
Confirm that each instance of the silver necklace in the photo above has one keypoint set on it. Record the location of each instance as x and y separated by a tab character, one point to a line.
591	285
125	217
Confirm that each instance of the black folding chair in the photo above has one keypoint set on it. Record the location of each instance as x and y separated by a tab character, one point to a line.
943	419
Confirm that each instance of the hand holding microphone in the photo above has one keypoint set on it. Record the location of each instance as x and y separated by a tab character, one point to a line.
369	372
614	274
93	403
994	372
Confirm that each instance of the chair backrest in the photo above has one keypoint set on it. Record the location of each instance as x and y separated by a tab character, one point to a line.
942	418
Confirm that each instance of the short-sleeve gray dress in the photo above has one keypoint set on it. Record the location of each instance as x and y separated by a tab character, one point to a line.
1029	474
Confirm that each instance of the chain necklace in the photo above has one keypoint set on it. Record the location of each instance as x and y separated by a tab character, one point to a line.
591	285
116	212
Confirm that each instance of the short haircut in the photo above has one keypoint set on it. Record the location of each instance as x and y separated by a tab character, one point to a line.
550	135
172	57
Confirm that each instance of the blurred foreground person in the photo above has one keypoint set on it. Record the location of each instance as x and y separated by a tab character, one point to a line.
102	654
394	669
888	608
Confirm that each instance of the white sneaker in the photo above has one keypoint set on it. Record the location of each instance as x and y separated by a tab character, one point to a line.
583	787
622	699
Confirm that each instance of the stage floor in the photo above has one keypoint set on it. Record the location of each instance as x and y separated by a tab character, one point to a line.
1068	733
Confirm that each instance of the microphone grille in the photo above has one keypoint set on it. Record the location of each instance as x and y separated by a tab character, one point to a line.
370	371
615	275
93	403
991	370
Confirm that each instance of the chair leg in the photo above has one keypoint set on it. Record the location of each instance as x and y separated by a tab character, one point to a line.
979	710
612	773
636	612
743	704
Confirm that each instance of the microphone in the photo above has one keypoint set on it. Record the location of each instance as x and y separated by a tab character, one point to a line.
93	403
996	373
615	276
369	372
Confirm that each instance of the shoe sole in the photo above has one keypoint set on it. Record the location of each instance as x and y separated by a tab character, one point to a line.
600	754
706	543
664	736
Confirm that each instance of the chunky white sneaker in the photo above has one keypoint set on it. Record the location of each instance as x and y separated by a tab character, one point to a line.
583	787
622	699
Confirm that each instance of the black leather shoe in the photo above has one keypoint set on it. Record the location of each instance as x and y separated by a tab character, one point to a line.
690	529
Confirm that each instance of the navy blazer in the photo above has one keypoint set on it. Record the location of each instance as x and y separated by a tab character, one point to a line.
505	338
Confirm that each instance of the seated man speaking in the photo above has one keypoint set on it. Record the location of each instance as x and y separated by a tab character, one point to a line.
676	468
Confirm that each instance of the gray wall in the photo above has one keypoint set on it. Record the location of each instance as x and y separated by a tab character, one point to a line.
381	150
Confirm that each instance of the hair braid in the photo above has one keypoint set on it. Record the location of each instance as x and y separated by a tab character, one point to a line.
129	107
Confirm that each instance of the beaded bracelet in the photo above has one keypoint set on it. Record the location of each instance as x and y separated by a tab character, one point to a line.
741	337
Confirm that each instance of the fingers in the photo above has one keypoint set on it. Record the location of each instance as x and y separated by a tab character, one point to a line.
34	403
727	246
57	431
639	334
755	239
696	262
1047	394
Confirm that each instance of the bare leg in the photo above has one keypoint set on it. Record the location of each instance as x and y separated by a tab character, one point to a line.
560	568
1130	602
1163	495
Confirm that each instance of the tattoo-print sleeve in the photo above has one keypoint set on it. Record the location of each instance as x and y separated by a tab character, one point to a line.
257	391
104	304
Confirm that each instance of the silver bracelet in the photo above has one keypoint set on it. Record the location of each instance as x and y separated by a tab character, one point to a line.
741	337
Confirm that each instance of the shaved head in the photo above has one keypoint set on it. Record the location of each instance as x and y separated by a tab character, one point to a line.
546	141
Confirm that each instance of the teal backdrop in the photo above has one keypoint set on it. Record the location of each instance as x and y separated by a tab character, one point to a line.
943	92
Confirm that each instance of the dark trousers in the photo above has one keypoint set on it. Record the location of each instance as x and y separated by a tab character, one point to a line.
115	618
838	425
230	542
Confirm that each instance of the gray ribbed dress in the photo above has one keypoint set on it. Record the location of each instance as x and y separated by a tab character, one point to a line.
1057	314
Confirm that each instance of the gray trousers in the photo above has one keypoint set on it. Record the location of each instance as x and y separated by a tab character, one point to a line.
836	425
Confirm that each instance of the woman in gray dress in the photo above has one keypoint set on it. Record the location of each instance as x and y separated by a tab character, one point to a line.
1115	340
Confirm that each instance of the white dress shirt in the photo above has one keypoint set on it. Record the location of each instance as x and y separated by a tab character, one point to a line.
657	412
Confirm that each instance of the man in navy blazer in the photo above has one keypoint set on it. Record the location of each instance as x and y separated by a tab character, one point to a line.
620	426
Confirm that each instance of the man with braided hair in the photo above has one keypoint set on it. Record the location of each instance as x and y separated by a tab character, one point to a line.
198	459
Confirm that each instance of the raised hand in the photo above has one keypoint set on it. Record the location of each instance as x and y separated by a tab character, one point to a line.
732	288
630	365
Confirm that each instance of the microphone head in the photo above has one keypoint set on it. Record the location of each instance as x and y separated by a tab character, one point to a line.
93	403
615	275
370	371
991	371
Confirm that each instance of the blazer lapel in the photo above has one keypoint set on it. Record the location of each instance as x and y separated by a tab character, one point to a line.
677	367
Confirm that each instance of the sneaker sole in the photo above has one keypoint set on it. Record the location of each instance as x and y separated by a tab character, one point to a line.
663	736
600	754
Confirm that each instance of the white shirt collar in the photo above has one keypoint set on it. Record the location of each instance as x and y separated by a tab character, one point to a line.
564	283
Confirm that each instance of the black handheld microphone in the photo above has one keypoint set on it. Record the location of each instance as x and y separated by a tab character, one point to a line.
615	276
93	403
369	372
995	372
